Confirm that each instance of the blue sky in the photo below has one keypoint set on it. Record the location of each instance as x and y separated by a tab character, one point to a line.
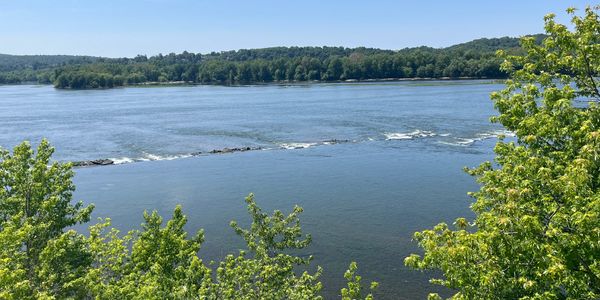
130	27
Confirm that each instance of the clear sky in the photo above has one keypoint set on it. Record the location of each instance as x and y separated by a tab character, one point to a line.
117	28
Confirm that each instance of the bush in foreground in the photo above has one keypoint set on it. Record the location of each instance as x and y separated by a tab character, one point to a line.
40	259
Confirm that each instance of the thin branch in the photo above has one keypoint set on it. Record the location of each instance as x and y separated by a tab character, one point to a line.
591	76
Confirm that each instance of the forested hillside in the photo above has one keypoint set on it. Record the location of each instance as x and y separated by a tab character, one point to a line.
475	59
36	68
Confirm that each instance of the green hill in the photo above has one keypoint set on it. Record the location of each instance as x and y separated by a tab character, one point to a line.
474	59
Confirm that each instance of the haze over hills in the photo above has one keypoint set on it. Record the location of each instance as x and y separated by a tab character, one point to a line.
474	59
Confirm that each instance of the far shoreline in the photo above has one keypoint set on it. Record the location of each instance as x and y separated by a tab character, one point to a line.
152	84
308	82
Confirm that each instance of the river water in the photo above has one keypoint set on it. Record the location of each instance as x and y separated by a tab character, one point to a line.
370	163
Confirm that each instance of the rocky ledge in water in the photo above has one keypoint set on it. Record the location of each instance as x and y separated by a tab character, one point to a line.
230	150
335	141
106	161
97	162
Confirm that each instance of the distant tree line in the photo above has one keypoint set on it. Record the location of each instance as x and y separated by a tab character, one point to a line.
36	68
475	59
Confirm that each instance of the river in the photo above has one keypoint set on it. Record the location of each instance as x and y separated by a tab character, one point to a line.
370	163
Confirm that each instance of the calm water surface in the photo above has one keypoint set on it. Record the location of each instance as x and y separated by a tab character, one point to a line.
398	172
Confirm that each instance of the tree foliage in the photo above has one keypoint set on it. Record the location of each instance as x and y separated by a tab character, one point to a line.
35	208
474	59
36	68
536	232
40	258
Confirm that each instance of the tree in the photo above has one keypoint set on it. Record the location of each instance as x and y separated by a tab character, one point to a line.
334	69
354	289
536	232
35	209
162	264
270	270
